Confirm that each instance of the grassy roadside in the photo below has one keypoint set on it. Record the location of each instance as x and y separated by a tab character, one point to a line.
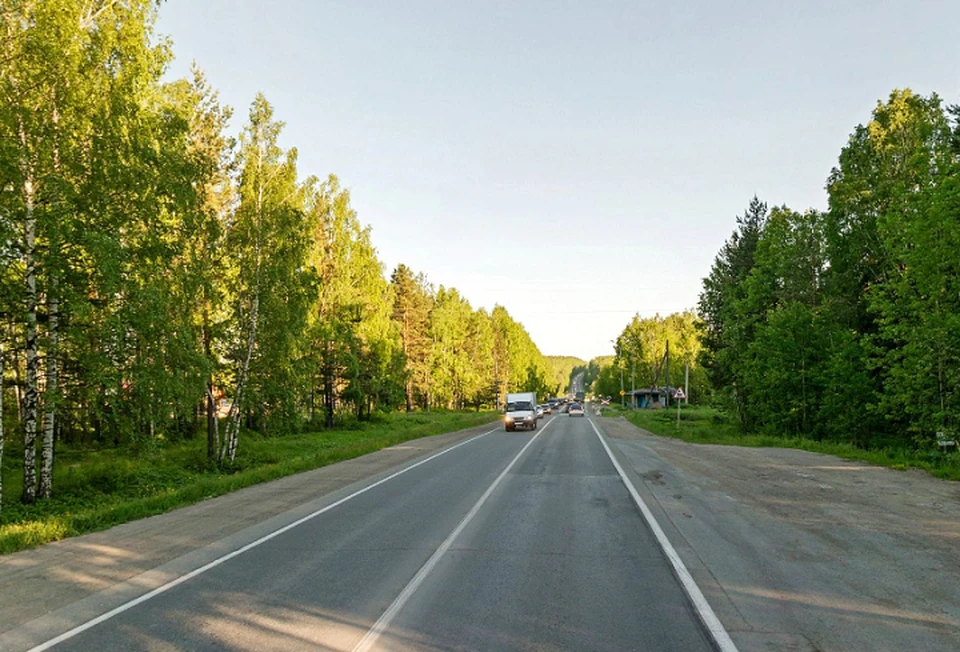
99	489
704	425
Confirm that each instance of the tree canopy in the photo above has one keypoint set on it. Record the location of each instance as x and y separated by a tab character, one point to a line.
162	278
845	324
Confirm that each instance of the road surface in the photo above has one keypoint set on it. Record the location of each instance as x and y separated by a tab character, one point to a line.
506	541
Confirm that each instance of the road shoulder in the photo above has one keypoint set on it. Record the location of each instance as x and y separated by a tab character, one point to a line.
802	551
86	575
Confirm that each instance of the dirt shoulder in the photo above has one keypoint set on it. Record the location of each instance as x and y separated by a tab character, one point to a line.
803	551
87	570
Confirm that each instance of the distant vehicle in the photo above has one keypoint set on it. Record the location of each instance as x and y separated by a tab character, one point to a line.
580	397
521	411
540	412
576	410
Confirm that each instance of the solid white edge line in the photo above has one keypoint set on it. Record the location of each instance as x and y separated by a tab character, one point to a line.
371	637
703	608
216	562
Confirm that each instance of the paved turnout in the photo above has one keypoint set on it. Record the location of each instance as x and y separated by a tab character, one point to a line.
483	548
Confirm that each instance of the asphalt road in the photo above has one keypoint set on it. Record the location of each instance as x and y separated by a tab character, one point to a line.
509	541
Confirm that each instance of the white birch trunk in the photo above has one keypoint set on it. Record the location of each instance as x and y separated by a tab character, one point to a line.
50	397
213	423
17	378
30	281
232	434
53	330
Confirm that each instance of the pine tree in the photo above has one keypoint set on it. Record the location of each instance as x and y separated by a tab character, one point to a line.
411	311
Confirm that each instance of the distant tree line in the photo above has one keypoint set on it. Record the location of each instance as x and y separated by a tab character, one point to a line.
563	368
845	324
163	279
640	358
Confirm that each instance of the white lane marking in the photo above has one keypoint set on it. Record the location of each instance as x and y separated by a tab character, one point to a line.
704	610
371	637
216	562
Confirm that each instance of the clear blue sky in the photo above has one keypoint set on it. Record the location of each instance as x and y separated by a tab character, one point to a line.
576	162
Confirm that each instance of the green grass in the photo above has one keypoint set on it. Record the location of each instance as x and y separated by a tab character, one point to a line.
704	425
94	490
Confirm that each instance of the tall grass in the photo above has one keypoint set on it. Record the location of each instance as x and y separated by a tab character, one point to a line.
95	490
705	425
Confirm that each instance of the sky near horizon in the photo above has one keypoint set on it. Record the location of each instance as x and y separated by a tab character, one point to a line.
575	162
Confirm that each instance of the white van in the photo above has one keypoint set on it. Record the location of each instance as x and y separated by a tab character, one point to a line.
521	411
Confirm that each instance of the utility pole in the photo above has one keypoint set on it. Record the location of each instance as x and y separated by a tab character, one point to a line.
666	402
686	386
621	384
618	350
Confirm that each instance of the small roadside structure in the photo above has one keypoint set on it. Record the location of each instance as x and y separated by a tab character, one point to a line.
647	399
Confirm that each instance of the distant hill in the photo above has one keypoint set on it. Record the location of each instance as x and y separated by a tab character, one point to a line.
561	367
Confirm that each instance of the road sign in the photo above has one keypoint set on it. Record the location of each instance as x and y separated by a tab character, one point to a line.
679	395
622	392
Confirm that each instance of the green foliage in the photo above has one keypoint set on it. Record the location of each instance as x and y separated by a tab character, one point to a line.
518	364
708	425
607	381
640	359
99	489
725	328
562	371
412	302
268	286
591	372
845	325
175	273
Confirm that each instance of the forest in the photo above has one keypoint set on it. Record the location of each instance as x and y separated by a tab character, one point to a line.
838	325
844	324
640	357
164	278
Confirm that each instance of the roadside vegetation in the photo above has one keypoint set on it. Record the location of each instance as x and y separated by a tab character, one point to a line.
97	489
844	324
834	330
707	425
165	279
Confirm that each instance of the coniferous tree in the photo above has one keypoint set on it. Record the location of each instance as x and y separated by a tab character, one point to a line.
412	302
726	331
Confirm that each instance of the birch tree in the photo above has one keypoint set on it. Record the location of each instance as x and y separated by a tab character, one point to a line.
26	87
210	152
269	203
350	329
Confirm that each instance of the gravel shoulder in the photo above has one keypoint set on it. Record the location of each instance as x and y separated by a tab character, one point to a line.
803	551
45	588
